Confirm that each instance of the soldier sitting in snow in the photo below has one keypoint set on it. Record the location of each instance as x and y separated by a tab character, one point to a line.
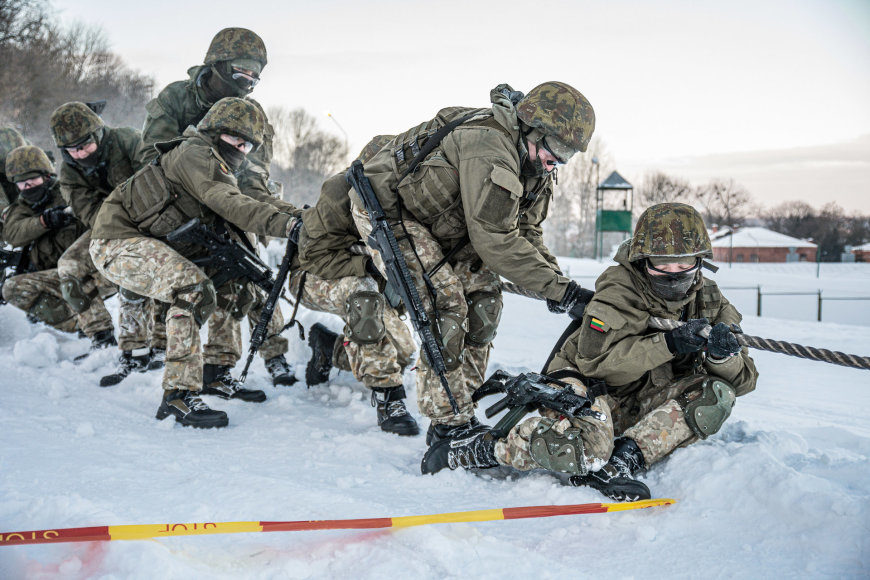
664	389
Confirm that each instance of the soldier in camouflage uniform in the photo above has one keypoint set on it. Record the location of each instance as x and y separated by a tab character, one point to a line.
96	159
663	389
9	139
40	222
232	67
377	345
473	208
194	179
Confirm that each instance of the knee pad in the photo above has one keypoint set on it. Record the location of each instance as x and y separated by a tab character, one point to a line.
452	330
484	314
237	299
51	309
72	291
365	317
202	308
707	406
131	297
560	452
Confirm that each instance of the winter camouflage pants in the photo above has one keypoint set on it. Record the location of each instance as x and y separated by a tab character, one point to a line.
452	283
151	268
375	365
224	346
38	293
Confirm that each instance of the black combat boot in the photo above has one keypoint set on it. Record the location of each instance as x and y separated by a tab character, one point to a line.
281	371
127	363
103	339
393	417
616	479
217	381
190	410
436	432
158	359
322	343
473	448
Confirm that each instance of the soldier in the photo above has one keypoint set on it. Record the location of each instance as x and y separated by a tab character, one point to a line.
41	222
96	159
663	389
471	210
9	139
193	178
377	345
232	67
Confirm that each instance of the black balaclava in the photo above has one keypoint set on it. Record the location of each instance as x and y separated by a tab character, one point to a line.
231	154
37	197
672	286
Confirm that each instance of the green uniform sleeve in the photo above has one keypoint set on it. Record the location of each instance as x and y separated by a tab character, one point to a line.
84	200
21	226
160	125
530	225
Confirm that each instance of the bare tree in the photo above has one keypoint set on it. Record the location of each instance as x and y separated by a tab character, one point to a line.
304	155
724	202
659	187
792	218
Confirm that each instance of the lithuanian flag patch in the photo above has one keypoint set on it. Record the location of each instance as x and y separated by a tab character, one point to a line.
596	324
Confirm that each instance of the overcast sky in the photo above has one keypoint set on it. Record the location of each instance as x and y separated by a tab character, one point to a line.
775	94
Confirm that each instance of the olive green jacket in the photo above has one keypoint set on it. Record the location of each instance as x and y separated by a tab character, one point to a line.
22	227
471	184
328	232
182	104
85	189
614	343
198	184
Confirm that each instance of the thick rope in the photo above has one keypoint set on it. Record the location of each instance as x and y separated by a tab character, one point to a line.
778	346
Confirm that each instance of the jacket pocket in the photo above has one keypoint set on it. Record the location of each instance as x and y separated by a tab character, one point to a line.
431	190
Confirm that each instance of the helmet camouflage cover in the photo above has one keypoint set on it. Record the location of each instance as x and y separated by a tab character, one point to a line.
235	116
26	162
72	123
670	229
236	43
9	139
561	111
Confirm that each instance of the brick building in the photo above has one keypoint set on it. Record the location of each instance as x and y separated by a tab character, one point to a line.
761	245
862	253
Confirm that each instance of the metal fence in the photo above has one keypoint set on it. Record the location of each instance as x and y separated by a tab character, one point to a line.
820	299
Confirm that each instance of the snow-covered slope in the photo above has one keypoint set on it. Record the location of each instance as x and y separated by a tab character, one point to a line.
780	492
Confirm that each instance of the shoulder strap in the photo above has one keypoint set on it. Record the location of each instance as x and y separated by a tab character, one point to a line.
433	142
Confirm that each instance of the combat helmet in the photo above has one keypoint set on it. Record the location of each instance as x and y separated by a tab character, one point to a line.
73	123
670	230
235	116
9	139
561	113
27	162
236	44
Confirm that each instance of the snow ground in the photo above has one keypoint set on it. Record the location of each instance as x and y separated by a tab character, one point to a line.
781	492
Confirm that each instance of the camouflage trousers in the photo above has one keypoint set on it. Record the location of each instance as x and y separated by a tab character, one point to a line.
141	322
375	365
151	268
452	283
38	293
224	345
133	327
596	435
651	417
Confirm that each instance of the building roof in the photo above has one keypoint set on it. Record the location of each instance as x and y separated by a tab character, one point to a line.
615	181
760	238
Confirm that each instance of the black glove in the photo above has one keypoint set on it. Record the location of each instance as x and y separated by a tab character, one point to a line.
55	218
293	232
573	295
722	342
690	337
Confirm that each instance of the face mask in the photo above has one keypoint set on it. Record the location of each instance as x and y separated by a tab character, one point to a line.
223	85
231	155
672	285
36	196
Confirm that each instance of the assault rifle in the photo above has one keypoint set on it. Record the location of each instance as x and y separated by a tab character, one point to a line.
384	240
16	260
526	392
229	260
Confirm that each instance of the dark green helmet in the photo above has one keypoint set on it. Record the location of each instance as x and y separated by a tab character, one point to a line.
9	139
373	146
72	123
670	230
27	162
235	116
236	44
559	111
